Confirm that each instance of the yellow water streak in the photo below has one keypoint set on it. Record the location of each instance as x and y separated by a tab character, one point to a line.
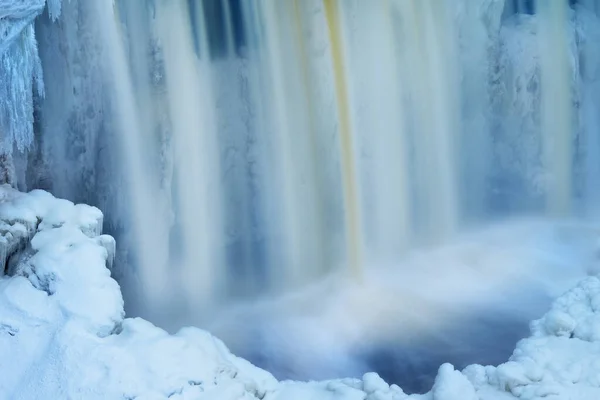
307	94
349	177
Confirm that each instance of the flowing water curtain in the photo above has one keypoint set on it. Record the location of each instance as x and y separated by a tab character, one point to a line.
429	55
318	80
347	139
273	225
149	228
291	217
232	53
557	124
376	83
232	34
318	191
198	194
587	25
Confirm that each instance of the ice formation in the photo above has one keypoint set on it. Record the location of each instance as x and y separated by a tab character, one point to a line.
20	72
21	77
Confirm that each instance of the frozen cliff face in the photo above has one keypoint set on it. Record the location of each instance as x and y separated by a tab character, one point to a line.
75	139
20	72
21	78
15	15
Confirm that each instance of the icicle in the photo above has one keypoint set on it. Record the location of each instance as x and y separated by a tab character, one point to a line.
110	245
54	9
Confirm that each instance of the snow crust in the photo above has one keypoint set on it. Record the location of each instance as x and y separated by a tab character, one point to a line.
63	333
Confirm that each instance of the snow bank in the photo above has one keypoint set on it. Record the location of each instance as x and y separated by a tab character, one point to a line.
63	333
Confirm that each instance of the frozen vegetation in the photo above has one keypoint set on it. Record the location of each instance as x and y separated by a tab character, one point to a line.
63	333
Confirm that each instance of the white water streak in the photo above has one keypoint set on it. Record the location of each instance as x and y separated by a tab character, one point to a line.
557	119
149	228
195	157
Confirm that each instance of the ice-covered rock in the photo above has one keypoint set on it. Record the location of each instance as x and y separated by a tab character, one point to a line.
451	384
559	361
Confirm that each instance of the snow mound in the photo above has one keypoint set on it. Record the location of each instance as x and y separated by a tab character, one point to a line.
63	333
62	328
561	359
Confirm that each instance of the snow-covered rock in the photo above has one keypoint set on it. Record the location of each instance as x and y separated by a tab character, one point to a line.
62	328
561	360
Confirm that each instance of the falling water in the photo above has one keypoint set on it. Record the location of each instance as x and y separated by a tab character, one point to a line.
196	169
264	145
149	227
431	77
380	128
285	100
349	177
557	122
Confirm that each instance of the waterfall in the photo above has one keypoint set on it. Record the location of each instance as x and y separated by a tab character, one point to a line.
148	225
431	76
352	216
196	169
248	148
380	129
557	123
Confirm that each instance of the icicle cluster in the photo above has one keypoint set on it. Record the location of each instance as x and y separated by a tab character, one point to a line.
20	69
54	9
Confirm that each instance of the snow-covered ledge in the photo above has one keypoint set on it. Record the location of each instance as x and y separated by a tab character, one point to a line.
63	334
